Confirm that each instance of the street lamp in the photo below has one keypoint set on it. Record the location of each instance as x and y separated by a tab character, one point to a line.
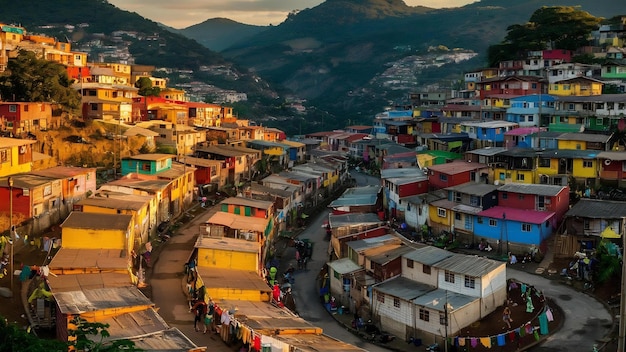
10	182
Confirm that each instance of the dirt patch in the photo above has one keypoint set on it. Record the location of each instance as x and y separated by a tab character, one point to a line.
517	336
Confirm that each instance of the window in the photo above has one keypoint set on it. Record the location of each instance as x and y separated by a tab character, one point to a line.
520	177
426	269
470	282
380	297
442	319
457	216
457	197
409	263
441	212
493	222
443	177
337	275
587	163
12	108
475	201
521	197
424	314
26	108
501	176
449	277
479	219
396	302
586	224
526	227
544	162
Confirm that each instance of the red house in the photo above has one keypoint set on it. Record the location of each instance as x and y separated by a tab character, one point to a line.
613	167
510	86
23	117
536	197
455	173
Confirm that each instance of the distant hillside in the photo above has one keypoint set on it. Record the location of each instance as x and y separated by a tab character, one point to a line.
326	53
220	33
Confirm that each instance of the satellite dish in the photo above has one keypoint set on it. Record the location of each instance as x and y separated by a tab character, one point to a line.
496	182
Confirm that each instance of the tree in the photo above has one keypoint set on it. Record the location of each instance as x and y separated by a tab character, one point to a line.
556	27
86	334
31	79
146	89
13	338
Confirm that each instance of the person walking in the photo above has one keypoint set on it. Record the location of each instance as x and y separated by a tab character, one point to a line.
506	317
199	309
208	318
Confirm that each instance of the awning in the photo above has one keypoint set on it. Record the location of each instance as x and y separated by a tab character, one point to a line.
609	233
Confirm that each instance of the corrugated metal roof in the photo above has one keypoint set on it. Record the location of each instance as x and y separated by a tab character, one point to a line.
467	209
80	258
96	221
341	220
386	257
248	202
469	265
170	340
344	266
598	209
402	172
527	188
621	156
265	318
115	201
318	343
427	197
63	171
80	282
29	181
151	157
586	137
132	324
403	288
520	215
6	142
437	299
228	244
240	222
428	255
473	188
372	242
232	279
367	195
456	167
78	302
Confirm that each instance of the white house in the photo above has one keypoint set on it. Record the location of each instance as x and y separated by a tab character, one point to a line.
417	265
340	273
476	277
416	210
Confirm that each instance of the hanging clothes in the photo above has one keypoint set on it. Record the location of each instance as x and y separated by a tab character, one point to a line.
543	324
501	340
549	314
486	341
512	336
474	341
523	288
461	341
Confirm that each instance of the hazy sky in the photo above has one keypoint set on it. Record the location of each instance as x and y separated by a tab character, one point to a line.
184	13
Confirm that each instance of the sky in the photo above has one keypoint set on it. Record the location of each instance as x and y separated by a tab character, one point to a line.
184	13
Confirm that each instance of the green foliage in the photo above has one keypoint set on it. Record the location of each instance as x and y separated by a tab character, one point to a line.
145	87
92	337
13	338
557	27
31	79
609	266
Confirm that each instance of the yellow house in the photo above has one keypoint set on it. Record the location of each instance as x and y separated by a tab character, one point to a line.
98	231
440	215
583	141
228	253
121	72
106	101
16	156
108	202
233	284
578	86
173	94
580	164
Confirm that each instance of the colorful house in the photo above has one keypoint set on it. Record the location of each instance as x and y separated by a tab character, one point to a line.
612	167
417	215
228	253
531	110
578	86
512	229
99	231
535	197
16	155
520	137
20	118
456	173
510	85
470	199
488	134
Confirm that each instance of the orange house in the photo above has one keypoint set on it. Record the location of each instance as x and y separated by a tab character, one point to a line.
23	117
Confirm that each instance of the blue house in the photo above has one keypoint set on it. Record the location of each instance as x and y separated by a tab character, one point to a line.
526	110
515	229
147	164
489	133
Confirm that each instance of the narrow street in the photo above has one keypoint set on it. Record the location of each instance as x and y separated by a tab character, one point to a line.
305	291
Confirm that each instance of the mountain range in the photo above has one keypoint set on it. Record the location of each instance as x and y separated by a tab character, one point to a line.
330	55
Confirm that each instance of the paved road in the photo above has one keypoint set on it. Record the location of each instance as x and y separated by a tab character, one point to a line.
586	319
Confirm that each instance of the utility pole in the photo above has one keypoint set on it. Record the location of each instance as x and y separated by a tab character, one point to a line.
11	231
